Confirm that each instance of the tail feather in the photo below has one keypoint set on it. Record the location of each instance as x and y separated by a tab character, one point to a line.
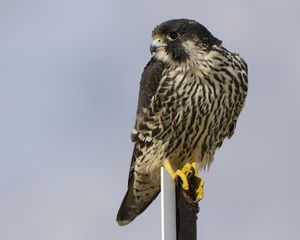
131	207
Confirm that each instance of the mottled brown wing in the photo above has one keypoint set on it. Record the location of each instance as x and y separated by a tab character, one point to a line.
149	83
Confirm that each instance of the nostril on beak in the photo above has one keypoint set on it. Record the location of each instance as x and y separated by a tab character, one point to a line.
153	48
155	45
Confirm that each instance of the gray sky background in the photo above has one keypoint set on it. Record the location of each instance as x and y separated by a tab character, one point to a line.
69	78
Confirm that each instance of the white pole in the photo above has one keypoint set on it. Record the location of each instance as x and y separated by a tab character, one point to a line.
168	206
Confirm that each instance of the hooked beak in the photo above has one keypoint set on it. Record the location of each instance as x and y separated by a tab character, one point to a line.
155	45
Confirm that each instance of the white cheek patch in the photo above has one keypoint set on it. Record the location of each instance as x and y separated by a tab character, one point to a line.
163	56
195	52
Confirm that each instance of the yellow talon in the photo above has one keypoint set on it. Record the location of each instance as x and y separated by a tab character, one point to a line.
168	167
200	190
188	171
194	165
183	177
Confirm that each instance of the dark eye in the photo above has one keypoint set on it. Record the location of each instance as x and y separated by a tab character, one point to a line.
173	35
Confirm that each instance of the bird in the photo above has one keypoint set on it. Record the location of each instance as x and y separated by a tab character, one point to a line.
192	92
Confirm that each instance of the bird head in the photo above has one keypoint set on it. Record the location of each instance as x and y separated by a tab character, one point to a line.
181	40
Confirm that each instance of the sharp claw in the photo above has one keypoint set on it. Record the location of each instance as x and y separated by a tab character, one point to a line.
192	171
189	175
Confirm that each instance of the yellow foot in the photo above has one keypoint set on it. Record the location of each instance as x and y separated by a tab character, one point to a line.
200	190
191	182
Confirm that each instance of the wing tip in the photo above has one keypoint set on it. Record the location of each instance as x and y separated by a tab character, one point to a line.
123	222
125	216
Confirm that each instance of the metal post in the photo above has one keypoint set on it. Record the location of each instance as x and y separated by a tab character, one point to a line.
178	211
186	216
168	206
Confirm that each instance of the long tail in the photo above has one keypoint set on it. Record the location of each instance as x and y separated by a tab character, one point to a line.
132	206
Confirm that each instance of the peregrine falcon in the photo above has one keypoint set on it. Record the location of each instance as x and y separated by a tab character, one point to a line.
191	94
